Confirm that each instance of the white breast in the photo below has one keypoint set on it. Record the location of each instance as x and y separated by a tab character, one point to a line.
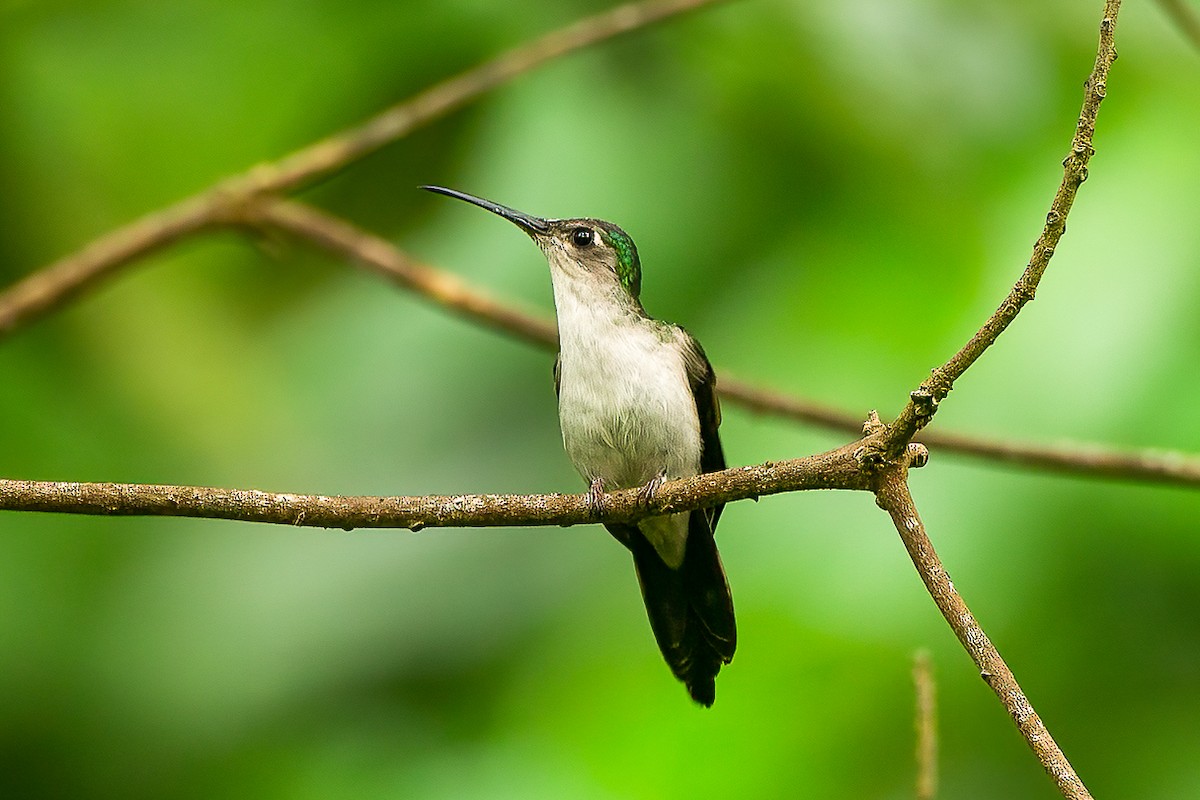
625	406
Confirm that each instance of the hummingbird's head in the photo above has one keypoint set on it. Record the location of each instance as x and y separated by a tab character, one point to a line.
589	250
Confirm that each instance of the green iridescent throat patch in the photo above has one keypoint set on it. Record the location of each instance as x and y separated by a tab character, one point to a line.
629	268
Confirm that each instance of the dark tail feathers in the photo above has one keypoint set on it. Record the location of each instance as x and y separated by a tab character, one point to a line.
690	609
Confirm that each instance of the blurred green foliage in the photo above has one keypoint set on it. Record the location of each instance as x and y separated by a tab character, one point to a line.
830	195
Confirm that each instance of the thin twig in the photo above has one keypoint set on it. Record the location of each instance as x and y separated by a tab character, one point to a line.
444	289
53	286
337	151
923	402
48	288
452	293
1082	459
926	726
834	469
893	496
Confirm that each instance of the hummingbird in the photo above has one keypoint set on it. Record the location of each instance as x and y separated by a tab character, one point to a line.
637	406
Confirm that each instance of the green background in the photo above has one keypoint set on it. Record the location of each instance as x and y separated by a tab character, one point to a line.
831	196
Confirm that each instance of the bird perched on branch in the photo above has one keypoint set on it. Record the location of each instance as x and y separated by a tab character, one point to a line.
637	405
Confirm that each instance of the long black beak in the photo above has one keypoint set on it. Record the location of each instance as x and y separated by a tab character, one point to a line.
529	223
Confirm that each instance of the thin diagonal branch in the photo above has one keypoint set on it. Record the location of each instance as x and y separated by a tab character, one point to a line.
834	469
1080	459
53	286
58	283
339	150
923	402
442	288
893	496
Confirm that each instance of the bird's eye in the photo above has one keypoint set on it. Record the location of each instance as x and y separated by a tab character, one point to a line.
582	237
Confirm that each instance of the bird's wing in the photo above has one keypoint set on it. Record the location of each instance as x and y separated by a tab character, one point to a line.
708	409
557	372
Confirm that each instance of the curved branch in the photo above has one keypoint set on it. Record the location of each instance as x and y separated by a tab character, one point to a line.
445	289
923	402
58	283
48	289
835	469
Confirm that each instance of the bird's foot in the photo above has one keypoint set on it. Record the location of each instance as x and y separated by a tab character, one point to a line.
648	492
595	496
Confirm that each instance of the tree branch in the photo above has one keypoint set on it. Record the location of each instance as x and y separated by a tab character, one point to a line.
58	283
898	453
923	402
1086	460
1081	459
892	495
839	468
445	289
53	286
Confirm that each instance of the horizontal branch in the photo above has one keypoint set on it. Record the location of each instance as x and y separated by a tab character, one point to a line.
836	469
58	283
1083	459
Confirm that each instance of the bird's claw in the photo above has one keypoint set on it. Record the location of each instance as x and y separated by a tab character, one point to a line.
595	497
648	492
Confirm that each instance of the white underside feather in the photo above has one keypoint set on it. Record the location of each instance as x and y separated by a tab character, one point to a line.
625	405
